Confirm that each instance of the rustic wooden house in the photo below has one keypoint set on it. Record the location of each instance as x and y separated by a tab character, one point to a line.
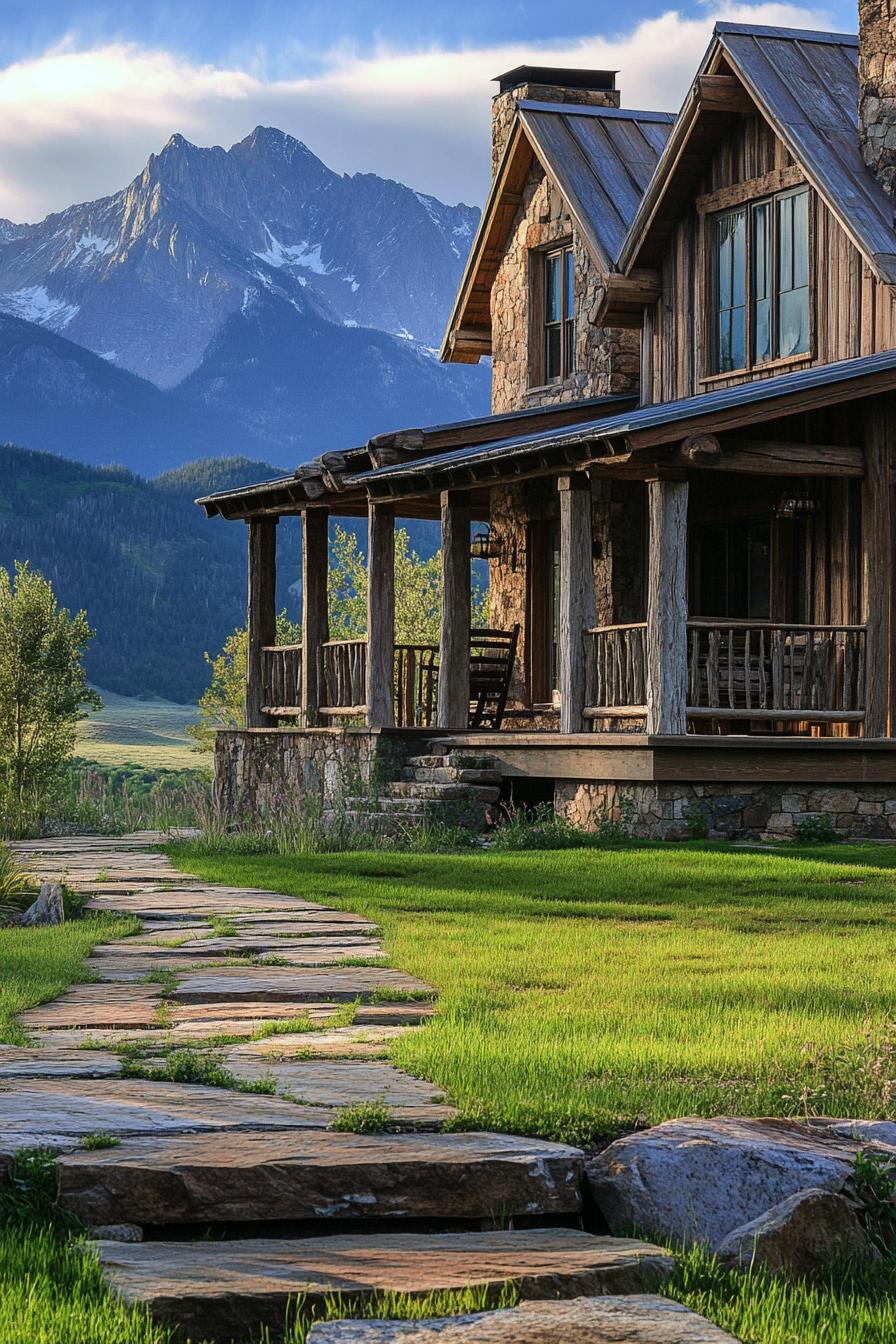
684	492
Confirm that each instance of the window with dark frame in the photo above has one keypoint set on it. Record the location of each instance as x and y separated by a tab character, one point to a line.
760	282
559	315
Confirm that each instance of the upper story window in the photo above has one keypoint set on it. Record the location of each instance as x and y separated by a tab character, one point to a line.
559	319
760	281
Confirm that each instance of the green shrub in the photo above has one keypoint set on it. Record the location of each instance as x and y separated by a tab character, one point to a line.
818	830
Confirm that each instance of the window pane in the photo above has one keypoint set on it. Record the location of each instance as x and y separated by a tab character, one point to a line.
739	258
570	347
762	332
801	239
761	267
569	282
760	250
723	262
793	322
738	338
785	243
552	294
552	353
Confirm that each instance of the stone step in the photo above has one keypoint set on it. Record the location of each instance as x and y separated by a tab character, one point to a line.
262	1177
219	1290
444	792
449	775
642	1319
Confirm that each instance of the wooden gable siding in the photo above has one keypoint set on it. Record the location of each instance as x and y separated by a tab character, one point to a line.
852	313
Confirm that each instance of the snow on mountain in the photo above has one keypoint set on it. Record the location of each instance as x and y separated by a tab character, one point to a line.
155	271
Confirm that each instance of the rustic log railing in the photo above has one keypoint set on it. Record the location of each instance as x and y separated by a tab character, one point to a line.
342	671
416	685
281	677
617	668
738	669
765	670
343	678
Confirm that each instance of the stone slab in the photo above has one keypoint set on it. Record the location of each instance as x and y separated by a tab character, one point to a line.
640	1319
220	1289
99	1005
43	1062
338	1082
186	904
338	1042
286	985
58	1112
262	1177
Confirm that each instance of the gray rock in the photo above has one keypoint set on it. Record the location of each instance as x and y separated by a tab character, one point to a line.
584	1320
47	909
699	1180
802	1236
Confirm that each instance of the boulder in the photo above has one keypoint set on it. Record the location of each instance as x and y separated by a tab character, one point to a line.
47	909
584	1320
802	1236
700	1180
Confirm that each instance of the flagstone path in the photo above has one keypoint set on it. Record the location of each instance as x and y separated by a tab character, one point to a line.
244	1199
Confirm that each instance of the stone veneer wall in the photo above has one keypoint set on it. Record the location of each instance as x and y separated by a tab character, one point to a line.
877	89
607	358
258	771
734	811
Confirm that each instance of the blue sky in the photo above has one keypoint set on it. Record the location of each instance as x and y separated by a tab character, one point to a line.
88	90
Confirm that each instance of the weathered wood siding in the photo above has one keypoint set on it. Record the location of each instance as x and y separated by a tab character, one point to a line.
851	313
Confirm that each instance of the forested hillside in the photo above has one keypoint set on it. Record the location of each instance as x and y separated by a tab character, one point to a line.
159	581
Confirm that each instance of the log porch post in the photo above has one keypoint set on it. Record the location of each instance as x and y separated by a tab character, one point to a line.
578	604
667	610
261	613
380	615
315	618
877	566
454	643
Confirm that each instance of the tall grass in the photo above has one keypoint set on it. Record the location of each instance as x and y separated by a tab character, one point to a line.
111	800
583	992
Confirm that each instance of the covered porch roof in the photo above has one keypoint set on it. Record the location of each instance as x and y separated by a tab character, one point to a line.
415	464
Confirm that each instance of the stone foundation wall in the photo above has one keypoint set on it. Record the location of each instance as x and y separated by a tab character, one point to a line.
729	811
259	771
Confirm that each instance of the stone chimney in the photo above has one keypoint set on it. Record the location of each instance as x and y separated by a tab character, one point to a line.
877	89
545	84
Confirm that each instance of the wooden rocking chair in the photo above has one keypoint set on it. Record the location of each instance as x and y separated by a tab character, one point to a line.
492	656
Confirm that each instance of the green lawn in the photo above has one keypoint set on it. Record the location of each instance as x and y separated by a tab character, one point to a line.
585	991
39	964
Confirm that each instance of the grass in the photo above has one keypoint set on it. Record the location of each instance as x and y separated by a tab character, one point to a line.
583	992
149	733
760	1309
189	1065
39	964
366	1117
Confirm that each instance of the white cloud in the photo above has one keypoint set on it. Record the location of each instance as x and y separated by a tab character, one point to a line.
75	123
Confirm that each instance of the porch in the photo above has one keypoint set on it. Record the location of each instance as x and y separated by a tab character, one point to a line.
668	595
